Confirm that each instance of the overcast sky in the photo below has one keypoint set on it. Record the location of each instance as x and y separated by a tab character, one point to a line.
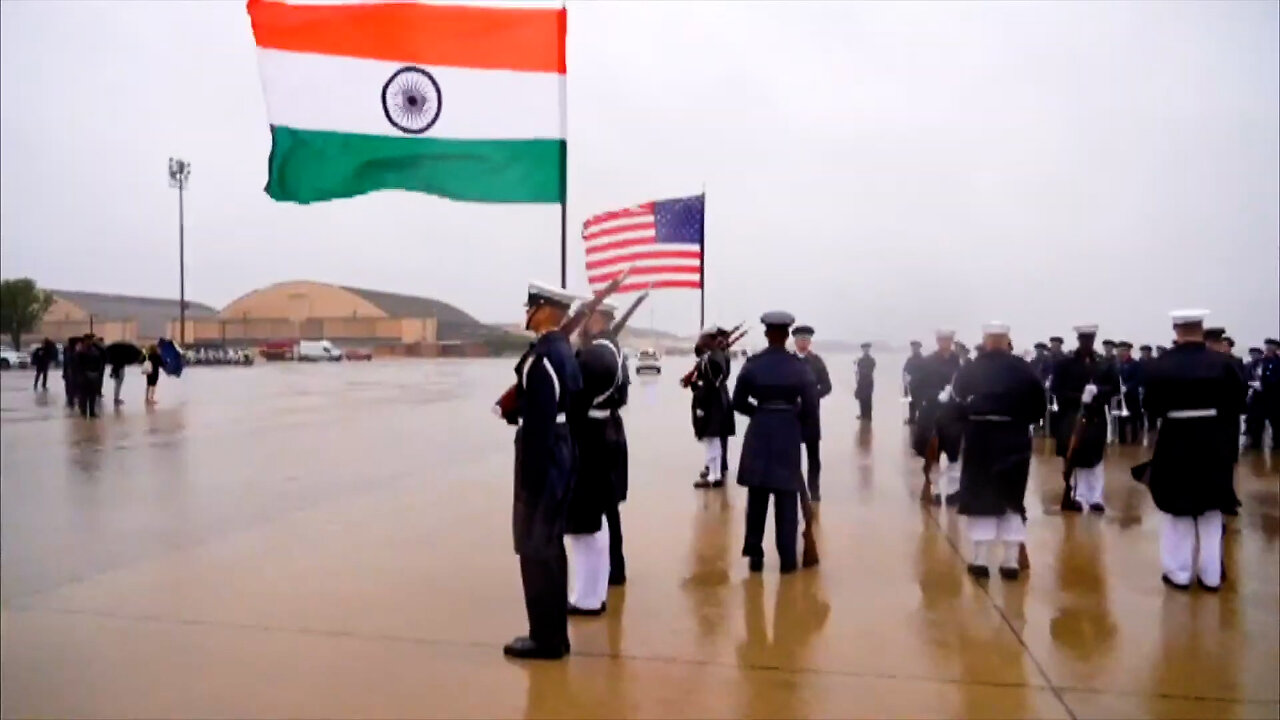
878	169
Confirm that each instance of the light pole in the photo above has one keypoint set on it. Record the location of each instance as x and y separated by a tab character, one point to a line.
179	176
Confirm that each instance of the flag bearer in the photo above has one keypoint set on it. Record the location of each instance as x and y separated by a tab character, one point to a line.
779	395
1190	388
594	529
802	336
1084	383
1002	398
547	383
931	386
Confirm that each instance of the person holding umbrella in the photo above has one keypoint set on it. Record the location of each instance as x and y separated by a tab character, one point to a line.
119	356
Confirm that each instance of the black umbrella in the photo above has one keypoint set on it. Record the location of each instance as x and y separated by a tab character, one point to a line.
123	353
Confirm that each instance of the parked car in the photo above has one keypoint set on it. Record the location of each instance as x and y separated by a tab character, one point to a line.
10	358
357	354
278	350
647	361
318	350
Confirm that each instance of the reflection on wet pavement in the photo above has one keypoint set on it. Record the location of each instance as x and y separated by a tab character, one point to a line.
333	541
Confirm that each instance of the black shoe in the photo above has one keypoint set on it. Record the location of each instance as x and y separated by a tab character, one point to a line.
755	564
1009	573
979	572
575	610
717	484
1097	508
1176	586
1209	588
702	485
787	569
526	649
954	498
1072	506
617	580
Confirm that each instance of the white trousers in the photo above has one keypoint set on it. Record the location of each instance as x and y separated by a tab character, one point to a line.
948	480
590	568
987	531
1089	483
1178	548
712	448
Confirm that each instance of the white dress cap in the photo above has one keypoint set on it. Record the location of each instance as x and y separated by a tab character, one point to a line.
945	334
995	327
545	292
1188	316
1086	329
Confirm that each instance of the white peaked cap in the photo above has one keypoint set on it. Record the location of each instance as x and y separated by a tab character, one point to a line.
711	329
1188	316
550	292
944	334
602	307
995	327
1086	329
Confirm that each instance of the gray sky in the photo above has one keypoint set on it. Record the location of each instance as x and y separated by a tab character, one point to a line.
879	169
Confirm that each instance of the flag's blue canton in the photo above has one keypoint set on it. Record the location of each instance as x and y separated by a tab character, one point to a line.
679	220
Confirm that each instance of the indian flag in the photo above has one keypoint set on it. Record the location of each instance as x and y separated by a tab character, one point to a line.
461	101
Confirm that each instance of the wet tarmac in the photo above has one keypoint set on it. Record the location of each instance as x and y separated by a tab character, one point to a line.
334	541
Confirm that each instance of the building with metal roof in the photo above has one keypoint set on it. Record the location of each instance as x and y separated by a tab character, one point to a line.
114	317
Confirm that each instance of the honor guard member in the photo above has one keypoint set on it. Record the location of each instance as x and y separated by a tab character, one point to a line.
1269	387
710	409
908	368
962	351
594	529
1001	397
1056	352
1189	389
780	397
547	383
1255	418
1041	365
1129	429
1109	349
866	383
1145	357
1084	383
730	427
802	335
931	386
1161	350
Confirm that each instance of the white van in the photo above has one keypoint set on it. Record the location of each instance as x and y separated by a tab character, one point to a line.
317	350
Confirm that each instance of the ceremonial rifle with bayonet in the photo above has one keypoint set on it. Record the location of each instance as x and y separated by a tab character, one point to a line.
734	337
616	329
505	407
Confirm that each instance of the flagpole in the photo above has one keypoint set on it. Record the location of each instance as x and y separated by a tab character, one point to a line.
564	151
702	266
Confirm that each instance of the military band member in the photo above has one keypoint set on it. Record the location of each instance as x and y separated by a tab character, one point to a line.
1002	397
909	368
1084	383
547	384
937	415
1189	389
594	529
780	397
710	409
802	336
1129	429
866	383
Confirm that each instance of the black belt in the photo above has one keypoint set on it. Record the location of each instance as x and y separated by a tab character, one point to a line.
777	406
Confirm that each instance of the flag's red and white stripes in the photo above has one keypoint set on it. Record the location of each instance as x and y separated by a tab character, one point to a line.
624	238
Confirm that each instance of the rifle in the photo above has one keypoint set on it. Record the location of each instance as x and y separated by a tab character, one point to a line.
621	322
1077	428
505	406
809	554
687	379
931	456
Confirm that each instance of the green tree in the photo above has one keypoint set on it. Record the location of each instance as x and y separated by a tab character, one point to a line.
22	305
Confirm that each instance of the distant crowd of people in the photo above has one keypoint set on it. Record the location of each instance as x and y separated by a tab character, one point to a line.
86	362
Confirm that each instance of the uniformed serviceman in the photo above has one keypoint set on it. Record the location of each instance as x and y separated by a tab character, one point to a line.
1002	397
779	395
594	529
1189	389
962	351
709	405
866	383
1269	386
1254	415
802	335
931	385
730	426
1109	349
908	369
1129	428
547	383
1084	383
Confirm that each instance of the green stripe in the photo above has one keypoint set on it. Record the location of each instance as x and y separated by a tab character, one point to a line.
309	166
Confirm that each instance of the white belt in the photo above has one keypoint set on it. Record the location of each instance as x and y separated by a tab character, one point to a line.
991	418
559	419
599	413
1189	414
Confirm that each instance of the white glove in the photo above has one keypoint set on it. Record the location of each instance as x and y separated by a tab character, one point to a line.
945	395
1090	391
1255	384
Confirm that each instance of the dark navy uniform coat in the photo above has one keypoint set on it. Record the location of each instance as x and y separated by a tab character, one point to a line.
712	417
1002	397
822	382
546	460
1192	467
1070	376
778	393
599	435
934	372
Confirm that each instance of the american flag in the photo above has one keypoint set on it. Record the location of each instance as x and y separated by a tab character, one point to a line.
661	239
